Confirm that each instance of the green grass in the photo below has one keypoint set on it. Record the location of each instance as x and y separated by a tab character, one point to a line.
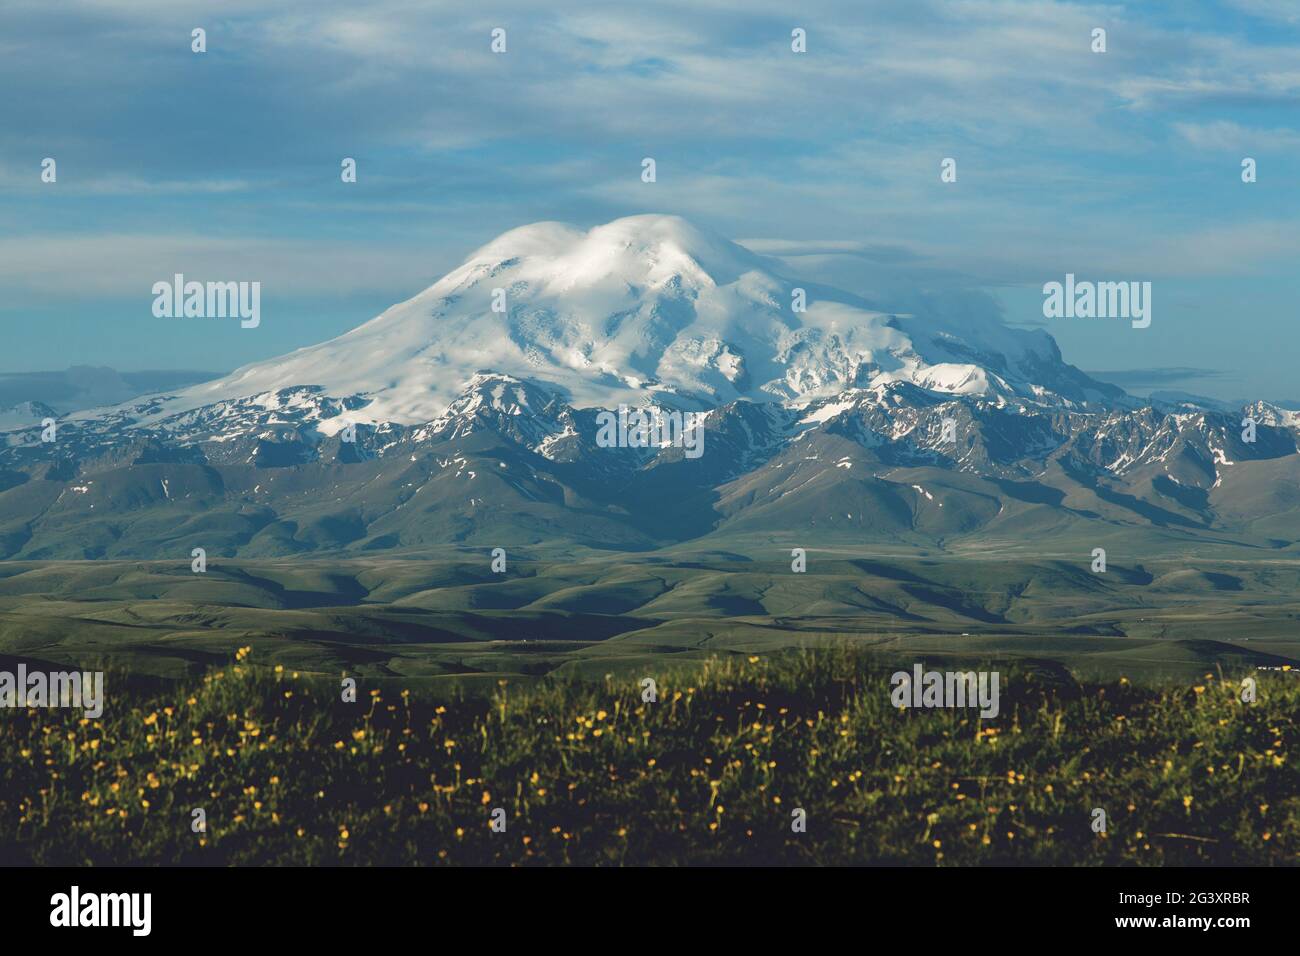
710	773
454	621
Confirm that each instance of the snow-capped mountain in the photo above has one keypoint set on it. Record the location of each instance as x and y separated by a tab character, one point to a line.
470	414
647	309
23	414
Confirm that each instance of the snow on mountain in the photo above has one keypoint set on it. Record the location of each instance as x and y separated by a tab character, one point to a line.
1266	413
645	309
476	424
24	415
81	386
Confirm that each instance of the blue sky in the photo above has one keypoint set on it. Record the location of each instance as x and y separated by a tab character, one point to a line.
1123	165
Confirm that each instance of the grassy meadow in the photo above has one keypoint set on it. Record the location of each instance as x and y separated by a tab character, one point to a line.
712	772
430	623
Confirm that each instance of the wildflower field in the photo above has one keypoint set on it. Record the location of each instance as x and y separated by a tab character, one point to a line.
713	771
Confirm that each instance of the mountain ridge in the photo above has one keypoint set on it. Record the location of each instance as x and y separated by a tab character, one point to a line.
444	421
645	308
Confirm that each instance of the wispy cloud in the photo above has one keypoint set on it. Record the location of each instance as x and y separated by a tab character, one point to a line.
125	266
1139	378
1227	136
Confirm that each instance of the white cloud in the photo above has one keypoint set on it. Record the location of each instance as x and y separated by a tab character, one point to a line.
1283	10
1225	135
127	265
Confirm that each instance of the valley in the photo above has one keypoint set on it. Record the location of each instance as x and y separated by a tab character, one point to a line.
433	622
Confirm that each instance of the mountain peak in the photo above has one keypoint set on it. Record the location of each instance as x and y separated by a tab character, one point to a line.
648	309
646	251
